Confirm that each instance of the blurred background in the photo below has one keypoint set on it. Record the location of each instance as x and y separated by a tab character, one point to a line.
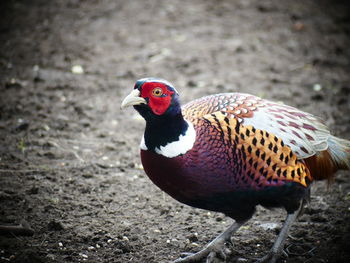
69	158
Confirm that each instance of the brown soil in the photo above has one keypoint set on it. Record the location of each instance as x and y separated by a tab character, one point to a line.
69	161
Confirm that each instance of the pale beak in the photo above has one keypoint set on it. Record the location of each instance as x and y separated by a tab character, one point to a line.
133	99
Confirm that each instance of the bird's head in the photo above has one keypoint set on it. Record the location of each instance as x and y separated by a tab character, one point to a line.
153	97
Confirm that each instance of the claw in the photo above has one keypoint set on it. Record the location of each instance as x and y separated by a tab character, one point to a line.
229	245
215	250
211	253
214	257
277	249
270	257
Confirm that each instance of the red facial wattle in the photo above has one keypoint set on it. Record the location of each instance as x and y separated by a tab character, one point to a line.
158	95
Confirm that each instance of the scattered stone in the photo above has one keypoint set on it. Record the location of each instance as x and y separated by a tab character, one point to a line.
241	260
77	69
269	226
83	255
317	87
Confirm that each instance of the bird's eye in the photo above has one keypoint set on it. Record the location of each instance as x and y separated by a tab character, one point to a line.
157	92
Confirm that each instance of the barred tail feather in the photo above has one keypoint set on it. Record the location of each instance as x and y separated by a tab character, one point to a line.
324	164
339	150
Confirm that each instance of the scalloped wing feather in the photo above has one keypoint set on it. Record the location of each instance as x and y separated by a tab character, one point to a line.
304	133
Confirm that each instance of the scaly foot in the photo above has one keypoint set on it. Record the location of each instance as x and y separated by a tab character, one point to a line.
270	257
277	249
218	248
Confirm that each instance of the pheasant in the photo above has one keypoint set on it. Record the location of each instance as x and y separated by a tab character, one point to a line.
230	152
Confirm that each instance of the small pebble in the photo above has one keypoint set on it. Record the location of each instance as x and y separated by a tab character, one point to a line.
317	87
83	255
77	69
269	226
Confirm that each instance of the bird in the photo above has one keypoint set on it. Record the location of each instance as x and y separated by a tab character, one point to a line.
231	152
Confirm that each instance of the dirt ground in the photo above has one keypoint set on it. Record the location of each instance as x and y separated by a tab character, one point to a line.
69	158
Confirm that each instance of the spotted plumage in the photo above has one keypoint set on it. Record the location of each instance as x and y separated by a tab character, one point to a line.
263	153
231	152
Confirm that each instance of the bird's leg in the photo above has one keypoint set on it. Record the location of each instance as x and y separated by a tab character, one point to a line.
214	247
277	248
